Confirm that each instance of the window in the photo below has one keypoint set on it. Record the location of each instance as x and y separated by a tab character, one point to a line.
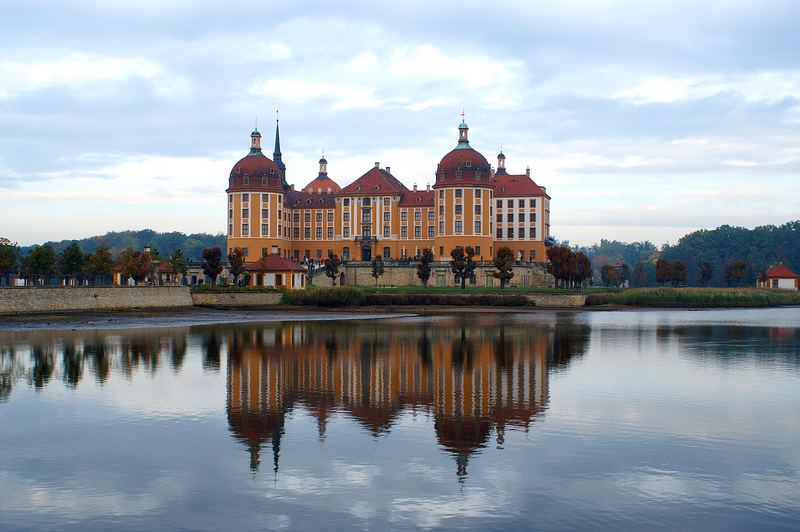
511	217
404	232
418	232
297	217
417	216
499	217
459	192
441	194
330	217
477	209
510	233
404	216
346	203
263	180
522	217
533	203
230	229
430	215
319	217
263	252
245	197
478	253
278	279
499	234
330	232
386	216
319	233
441	210
245	252
230	199
307	217
307	233
533	232
477	228
280	199
499	204
441	228
346	217
346	232
459	174
522	232
459	227
263	229
296	233
458	209
245	230
430	231
385	231
477	175
246	180
366	217
264	213
533	255
366	201
245	213
521	203
345	253
230	214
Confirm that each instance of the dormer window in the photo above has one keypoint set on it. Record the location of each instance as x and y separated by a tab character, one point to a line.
246	180
264	181
377	187
477	175
468	164
459	174
271	171
358	187
238	170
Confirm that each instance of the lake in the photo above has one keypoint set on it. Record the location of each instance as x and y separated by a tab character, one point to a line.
524	420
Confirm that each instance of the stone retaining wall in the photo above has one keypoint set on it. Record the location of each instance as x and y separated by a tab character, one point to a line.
83	298
236	299
360	273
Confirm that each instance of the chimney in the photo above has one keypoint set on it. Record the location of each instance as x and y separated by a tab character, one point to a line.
415	187
388	169
528	171
428	187
377	164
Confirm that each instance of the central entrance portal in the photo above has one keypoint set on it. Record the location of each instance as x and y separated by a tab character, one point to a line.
366	253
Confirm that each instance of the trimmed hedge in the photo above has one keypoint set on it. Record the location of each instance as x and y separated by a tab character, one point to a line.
697	297
334	296
465	300
203	288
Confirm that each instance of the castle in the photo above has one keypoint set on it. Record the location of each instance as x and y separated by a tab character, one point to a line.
470	204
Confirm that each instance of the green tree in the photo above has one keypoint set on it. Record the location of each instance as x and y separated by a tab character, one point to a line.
424	266
609	276
736	272
332	264
558	265
377	268
9	258
100	264
212	263
582	271
236	263
42	263
663	271
178	264
71	262
462	264
706	273
504	262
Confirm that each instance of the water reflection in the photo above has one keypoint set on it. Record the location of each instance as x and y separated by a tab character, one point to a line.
473	378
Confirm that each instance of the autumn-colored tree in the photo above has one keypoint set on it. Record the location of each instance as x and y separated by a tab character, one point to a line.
377	268
663	271
236	264
558	266
639	276
609	275
424	266
100	264
582	270
504	262
212	263
736	272
677	273
332	264
462	264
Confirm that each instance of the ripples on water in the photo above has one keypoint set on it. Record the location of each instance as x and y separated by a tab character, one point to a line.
592	420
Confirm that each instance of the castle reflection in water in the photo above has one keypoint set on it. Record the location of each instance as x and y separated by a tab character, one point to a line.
474	374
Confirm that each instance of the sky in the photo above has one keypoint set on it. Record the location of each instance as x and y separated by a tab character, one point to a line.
644	120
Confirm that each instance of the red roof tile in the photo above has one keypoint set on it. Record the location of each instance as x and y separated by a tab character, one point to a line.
256	168
375	182
516	185
304	200
781	272
322	182
274	263
418	198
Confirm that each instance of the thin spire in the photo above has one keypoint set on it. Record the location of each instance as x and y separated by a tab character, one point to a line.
256	123
276	155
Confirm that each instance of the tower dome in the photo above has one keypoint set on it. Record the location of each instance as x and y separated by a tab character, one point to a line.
463	165
255	171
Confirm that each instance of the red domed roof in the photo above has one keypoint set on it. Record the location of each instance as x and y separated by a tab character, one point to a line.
255	172
463	166
322	184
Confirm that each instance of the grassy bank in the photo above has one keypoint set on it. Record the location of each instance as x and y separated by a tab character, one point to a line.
482	290
211	288
696	297
348	296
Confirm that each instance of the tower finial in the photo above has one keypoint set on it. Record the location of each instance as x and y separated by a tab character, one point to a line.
277	118
462	114
256	123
